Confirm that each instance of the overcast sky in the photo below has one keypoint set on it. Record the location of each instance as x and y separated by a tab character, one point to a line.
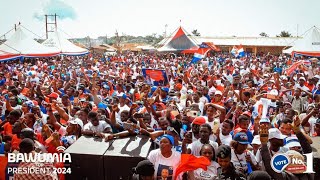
80	18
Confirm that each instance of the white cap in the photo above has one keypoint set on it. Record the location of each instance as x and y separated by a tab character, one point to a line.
77	121
256	140
302	78
292	142
264	120
275	133
274	92
120	94
218	92
317	76
283	77
190	91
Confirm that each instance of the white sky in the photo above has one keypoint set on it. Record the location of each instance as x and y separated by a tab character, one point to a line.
144	17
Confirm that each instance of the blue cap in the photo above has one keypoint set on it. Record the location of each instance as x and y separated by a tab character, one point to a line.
153	89
169	137
241	138
102	105
165	89
2	82
106	87
89	72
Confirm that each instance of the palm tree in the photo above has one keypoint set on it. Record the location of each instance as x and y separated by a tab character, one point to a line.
284	34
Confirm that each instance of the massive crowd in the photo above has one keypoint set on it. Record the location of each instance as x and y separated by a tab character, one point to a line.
232	113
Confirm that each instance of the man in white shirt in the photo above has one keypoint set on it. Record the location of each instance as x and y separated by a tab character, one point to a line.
96	127
301	85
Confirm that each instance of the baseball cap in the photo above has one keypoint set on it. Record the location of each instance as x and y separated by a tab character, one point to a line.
302	78
77	121
224	151
274	92
241	138
264	120
122	95
256	140
317	76
218	92
292	142
247	113
53	95
199	120
284	77
165	89
106	86
144	168
275	133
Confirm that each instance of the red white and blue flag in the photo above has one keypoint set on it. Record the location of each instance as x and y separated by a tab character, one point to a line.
200	53
238	51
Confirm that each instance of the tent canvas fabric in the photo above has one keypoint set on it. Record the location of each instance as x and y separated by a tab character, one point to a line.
178	42
64	46
26	46
309	45
5	56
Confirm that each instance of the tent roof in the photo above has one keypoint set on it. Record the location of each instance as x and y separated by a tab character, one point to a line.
63	45
5	56
178	42
310	43
26	46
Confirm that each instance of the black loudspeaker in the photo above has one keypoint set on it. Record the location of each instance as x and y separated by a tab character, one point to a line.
87	158
123	155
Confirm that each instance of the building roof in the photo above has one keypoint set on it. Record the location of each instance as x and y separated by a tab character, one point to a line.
249	41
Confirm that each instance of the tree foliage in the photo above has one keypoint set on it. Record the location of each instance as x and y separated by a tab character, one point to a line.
284	34
263	34
195	32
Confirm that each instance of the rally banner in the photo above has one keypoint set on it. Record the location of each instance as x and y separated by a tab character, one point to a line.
155	77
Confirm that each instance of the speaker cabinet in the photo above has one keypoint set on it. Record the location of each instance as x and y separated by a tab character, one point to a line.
87	158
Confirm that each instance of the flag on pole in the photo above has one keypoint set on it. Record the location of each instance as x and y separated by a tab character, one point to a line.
200	54
238	51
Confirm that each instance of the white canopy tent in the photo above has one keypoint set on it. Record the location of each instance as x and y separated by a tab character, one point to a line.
309	45
64	46
26	46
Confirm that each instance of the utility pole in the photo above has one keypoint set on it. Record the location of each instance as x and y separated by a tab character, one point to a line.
48	23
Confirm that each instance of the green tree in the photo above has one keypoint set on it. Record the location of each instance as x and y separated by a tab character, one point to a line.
195	32
284	34
263	34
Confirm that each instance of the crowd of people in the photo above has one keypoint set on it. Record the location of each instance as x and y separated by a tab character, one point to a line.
234	113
